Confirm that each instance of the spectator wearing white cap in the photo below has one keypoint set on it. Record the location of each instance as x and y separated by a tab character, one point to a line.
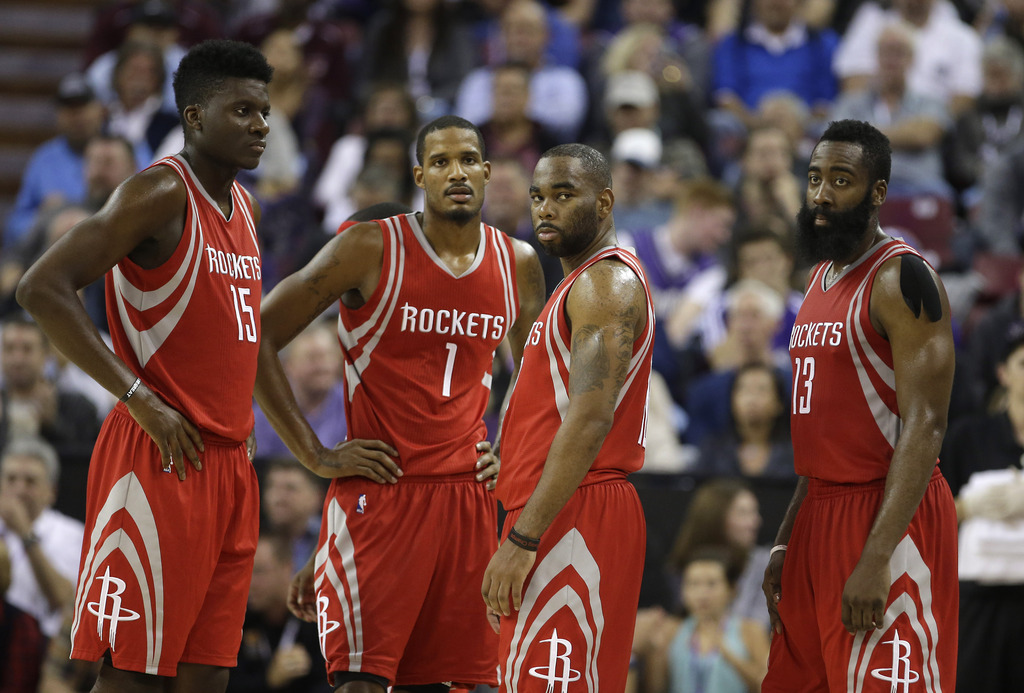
636	161
647	48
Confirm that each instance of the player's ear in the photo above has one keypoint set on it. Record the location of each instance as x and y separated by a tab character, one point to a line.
193	117
605	203
878	193
487	172
417	176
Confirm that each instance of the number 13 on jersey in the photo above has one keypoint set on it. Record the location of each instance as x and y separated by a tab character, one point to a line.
803	384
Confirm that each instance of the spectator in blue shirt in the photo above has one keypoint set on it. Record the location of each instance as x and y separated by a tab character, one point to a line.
773	50
54	174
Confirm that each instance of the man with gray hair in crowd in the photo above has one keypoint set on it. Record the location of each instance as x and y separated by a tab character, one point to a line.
45	545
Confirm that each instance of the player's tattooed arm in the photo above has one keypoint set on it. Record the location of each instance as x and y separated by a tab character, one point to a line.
606	311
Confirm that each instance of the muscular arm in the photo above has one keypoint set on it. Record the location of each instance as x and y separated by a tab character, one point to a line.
147	204
350	261
143	221
922	351
607	310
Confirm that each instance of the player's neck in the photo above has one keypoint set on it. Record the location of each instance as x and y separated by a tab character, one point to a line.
450	237
215	178
604	239
869	241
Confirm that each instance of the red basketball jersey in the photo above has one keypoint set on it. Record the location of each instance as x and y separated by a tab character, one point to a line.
190	328
418	355
540	398
845	418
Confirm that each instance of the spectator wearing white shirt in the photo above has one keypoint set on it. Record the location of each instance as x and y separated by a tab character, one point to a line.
45	545
558	94
947	59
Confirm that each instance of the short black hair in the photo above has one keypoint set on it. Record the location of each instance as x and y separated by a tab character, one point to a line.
205	67
875	148
443	123
595	164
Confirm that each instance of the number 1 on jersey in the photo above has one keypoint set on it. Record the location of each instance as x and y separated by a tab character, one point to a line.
803	369
446	389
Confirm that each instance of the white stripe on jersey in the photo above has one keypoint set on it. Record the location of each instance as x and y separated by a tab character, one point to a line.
505	265
388	301
127	494
337	526
147	342
552	342
889	424
570	553
560	353
906	559
242	203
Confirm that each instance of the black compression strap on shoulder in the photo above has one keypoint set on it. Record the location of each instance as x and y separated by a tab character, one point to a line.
918	287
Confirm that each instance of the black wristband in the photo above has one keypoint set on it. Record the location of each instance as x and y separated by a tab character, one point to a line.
523	542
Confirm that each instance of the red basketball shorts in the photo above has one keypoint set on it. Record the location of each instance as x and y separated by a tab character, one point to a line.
166	564
915	648
398	575
574	630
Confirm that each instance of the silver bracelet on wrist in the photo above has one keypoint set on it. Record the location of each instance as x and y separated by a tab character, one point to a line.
131	391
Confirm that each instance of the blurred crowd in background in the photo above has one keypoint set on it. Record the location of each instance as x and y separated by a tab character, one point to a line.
707	111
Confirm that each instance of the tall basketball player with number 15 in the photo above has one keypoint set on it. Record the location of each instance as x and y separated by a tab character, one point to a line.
862	583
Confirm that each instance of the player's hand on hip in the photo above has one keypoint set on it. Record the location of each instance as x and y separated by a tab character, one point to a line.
864	597
372	459
494	620
250	445
505	576
487	465
301	595
175	436
772	588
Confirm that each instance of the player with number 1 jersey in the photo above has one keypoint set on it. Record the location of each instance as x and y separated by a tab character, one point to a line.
409	524
421	349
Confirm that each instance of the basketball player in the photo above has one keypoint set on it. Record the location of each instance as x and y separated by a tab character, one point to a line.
426	298
862	582
573	552
167	557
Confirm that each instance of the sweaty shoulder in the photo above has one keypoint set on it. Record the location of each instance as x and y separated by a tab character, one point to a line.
158	191
365	236
610	286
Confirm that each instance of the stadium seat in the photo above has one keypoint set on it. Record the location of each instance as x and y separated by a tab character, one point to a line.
925	221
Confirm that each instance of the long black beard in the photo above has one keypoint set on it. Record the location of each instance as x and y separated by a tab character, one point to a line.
839	239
